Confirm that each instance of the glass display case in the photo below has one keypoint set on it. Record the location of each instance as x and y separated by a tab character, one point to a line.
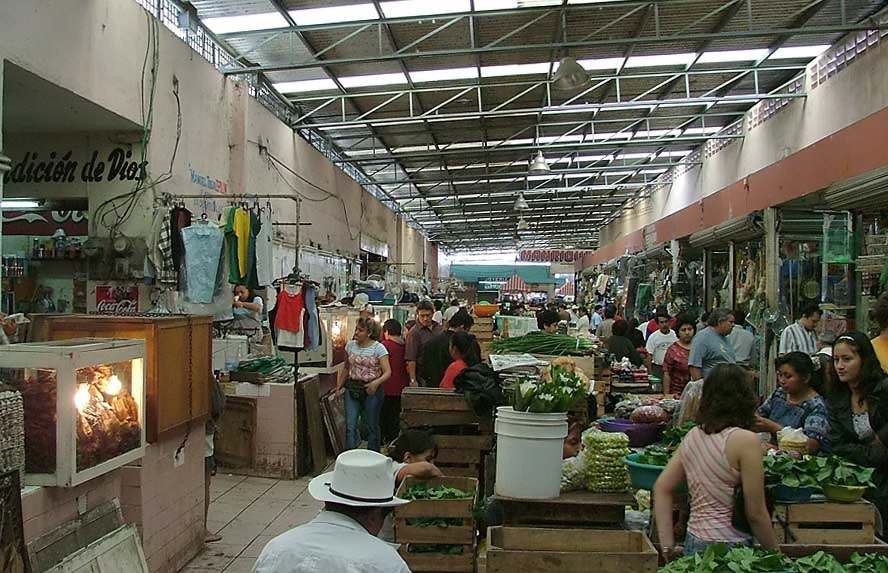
84	405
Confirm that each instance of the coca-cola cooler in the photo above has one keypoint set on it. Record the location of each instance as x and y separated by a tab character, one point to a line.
117	297
84	402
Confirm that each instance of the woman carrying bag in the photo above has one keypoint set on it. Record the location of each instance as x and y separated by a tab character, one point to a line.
367	370
716	458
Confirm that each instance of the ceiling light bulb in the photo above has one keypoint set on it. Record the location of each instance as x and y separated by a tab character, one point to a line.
114	386
81	397
522	224
521	203
570	75
538	166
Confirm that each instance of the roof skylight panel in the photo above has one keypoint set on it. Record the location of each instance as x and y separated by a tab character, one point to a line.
444	74
660	60
333	14
245	23
373	80
800	52
408	8
302	86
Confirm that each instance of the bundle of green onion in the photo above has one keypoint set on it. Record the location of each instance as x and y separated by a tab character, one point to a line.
542	343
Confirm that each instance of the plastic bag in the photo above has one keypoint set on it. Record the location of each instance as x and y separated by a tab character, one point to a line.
792	440
690	402
650	415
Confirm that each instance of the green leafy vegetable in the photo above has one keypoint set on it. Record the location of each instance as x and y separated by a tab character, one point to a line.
423	491
542	343
442	522
446	548
655	455
782	469
836	470
820	562
869	563
672	436
721	559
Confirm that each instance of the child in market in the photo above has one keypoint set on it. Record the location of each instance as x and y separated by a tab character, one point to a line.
414	453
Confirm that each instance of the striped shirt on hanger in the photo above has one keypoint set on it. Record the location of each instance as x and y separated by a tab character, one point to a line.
798	338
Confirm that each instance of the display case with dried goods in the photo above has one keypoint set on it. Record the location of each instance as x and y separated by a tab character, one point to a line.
84	403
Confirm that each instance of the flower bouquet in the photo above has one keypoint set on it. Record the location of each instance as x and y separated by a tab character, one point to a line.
557	391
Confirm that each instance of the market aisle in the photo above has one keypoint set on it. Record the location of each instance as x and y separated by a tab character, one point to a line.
248	512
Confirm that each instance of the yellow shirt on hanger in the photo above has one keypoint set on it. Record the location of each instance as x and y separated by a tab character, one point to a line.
242	232
880	345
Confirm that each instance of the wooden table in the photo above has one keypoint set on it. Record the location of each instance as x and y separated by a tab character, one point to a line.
577	508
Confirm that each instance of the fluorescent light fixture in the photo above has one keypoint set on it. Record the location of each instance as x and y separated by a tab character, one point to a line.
732	56
373	80
660	60
408	8
514	70
245	23
799	52
601	63
682	153
19	204
349	13
702	130
444	74
303	86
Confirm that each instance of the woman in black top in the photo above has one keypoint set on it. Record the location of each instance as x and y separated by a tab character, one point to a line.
858	411
620	346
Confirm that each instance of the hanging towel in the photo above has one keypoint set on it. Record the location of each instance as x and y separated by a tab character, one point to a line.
264	249
203	250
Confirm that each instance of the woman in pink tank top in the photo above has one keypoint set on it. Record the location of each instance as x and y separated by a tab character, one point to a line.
714	458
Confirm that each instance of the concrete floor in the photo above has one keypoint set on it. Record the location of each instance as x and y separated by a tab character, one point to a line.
248	512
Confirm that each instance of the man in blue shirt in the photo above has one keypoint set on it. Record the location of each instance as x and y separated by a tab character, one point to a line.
711	345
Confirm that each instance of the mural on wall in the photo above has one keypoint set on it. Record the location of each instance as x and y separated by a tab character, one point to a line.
45	223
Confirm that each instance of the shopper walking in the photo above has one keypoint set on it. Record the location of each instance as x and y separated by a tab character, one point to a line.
716	457
743	342
422	332
368	369
858	411
596	318
390	416
583	322
357	495
464	352
620	346
711	346
676	373
436	355
659	342
799	336
605	329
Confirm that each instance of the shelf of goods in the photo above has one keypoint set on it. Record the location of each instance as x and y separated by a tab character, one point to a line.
825	523
178	359
443	529
511	549
83	402
464	439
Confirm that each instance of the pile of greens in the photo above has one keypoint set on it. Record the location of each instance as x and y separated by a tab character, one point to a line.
659	454
559	393
424	491
443	522
812	471
542	343
673	435
445	548
721	559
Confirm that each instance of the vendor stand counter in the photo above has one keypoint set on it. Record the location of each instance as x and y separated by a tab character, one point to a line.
576	509
272	430
816	522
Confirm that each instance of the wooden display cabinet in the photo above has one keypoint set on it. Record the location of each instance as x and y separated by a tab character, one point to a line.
169	341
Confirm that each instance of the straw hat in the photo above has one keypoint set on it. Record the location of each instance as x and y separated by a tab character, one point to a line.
360	478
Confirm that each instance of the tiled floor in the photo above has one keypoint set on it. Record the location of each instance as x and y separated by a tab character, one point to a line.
248	512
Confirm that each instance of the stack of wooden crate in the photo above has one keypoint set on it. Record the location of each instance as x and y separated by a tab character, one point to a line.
483	331
601	374
825	522
415	528
463	438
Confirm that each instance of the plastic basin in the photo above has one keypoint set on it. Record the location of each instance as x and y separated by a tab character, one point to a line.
640	435
644	476
843	493
792	494
485	310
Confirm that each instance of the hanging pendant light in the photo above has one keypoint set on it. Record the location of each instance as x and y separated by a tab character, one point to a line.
522	224
538	166
521	203
570	75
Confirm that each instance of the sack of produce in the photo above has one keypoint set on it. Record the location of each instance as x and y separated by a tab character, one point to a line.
650	415
573	472
606	472
624	408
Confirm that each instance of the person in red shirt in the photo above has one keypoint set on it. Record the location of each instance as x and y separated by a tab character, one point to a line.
390	417
464	351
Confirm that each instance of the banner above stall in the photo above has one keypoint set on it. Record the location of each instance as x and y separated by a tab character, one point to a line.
551	255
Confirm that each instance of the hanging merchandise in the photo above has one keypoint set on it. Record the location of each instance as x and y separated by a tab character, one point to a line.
289	317
264	247
180	218
203	250
160	249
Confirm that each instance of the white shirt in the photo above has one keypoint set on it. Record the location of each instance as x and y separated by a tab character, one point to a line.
330	542
449	312
658	343
583	324
438	317
743	342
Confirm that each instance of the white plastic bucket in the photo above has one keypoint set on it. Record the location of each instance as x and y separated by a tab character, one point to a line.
528	453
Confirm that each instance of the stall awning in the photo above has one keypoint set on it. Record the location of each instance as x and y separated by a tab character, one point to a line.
567	289
867	191
739	229
515	284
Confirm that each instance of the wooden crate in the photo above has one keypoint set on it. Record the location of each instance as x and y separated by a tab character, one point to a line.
171	342
575	509
463	455
464	534
825	523
512	549
439	407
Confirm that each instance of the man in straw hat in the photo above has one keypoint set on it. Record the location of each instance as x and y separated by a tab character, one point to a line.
357	495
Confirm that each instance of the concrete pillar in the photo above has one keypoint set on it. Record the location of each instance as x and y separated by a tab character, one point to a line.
768	377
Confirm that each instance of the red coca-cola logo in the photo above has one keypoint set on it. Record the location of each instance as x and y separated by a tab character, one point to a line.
117	300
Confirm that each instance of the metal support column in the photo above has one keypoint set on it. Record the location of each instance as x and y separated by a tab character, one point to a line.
767	375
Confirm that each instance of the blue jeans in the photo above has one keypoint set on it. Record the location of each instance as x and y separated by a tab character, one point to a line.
693	545
370	407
